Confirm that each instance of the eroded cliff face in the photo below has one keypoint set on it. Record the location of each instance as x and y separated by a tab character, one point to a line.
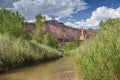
62	32
66	33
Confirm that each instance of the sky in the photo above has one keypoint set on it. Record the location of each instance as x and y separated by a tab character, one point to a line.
84	14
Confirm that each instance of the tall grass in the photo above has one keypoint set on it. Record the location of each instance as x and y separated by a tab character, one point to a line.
16	52
99	57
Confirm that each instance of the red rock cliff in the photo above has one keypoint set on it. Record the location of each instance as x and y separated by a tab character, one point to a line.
62	32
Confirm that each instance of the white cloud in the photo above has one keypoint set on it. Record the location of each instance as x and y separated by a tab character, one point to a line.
77	24
31	21
100	14
47	17
57	8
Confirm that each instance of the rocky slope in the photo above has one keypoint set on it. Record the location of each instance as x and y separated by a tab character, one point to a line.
62	32
67	33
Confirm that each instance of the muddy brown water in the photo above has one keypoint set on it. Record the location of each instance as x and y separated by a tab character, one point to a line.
62	69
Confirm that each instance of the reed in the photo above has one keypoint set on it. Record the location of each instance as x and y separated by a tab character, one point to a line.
17	52
99	57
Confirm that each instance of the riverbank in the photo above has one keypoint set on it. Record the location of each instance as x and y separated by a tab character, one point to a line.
16	53
61	69
99	57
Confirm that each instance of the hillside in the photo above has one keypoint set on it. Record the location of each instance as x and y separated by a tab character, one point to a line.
62	32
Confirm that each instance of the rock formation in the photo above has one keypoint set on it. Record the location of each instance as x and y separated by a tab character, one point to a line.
82	37
62	32
67	33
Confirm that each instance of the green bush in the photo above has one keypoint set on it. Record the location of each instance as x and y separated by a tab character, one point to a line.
40	24
50	40
53	53
72	45
16	52
99	57
69	46
11	23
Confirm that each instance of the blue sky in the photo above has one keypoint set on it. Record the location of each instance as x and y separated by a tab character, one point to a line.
93	5
77	13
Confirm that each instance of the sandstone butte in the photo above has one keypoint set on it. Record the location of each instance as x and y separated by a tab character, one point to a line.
62	32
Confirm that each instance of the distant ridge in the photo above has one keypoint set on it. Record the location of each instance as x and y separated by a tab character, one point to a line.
62	32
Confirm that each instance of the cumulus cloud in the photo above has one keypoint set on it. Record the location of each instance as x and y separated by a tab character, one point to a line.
100	14
77	24
56	8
